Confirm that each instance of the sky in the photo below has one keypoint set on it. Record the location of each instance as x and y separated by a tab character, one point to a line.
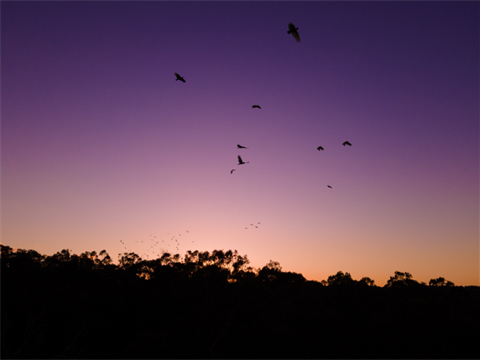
100	143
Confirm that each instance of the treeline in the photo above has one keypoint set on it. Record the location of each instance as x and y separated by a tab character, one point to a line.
216	266
215	305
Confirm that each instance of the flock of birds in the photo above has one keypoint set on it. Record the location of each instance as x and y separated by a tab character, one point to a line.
294	32
256	226
291	30
153	247
241	162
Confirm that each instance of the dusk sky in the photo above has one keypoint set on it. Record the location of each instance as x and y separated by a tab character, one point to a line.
100	143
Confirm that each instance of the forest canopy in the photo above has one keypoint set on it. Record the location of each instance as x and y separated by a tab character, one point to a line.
215	305
221	265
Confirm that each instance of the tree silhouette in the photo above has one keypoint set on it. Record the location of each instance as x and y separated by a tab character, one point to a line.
401	279
440	282
128	260
340	279
270	272
366	281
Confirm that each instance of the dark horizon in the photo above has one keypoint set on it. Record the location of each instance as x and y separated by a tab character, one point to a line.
167	258
66	306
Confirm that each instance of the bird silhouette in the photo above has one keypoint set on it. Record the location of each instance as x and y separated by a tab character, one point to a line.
240	161
231	172
329	186
256	106
320	148
346	143
241	147
293	30
179	77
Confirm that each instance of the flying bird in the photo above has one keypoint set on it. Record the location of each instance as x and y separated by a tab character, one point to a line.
329	186
240	161
241	147
293	30
179	77
256	106
231	172
346	143
320	148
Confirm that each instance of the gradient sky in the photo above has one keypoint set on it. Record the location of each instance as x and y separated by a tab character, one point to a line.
99	143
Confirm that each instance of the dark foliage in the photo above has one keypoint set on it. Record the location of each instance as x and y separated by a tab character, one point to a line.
213	305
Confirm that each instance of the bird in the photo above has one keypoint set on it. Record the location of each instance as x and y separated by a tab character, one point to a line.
293	30
329	186
231	172
240	161
179	77
346	143
320	148
256	106
241	147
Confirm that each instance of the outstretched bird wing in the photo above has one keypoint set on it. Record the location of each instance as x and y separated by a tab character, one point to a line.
293	30
347	143
240	159
179	77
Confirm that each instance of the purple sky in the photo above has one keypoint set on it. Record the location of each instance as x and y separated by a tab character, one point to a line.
100	143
